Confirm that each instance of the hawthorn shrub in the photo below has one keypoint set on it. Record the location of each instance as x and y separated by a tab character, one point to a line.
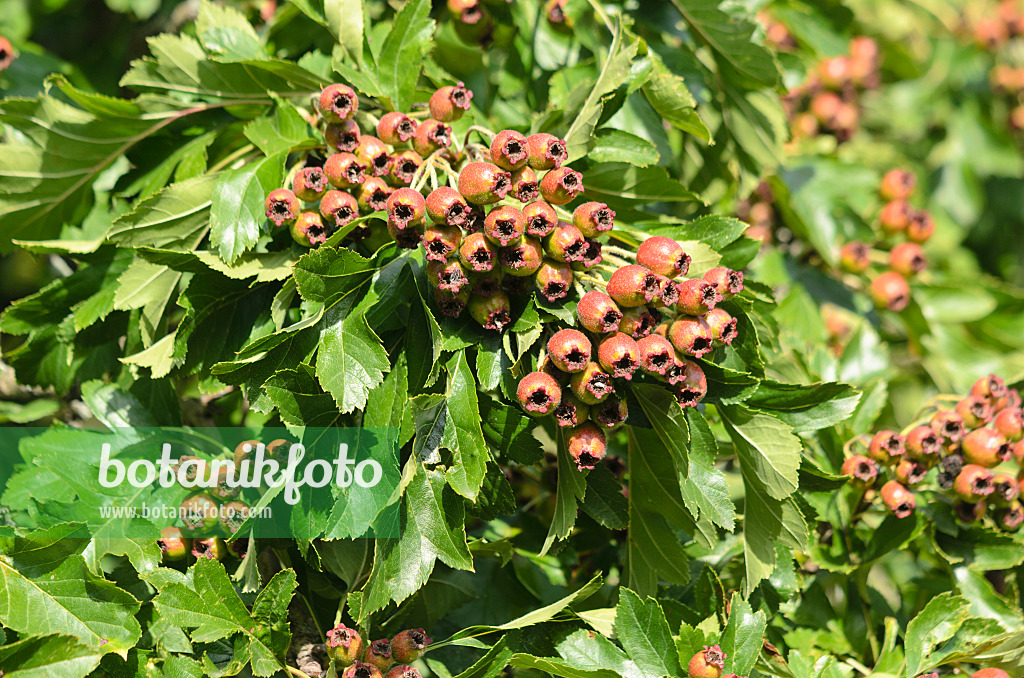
653	312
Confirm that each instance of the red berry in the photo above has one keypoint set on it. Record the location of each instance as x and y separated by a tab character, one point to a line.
344	170
338	102
1006	489
611	414
440	241
973	483
406	207
969	512
450	275
887	447
483	183
691	336
897	184
404	166
985	447
895	217
525	187
586	445
372	195
708	663
396	128
975	411
561	185
361	670
949	425
618	354
546	151
493	312
7	54
890	290
554	279
639	321
522	257
697	297
597	312
923	444
593	218
898	499
728	283
174	546
373	154
920	227
663	256
565	243
569	350
282	206
907	259
342	136
572	411
541	218
451	305
991	386
309	184
509	150
655	354
338	208
430	136
406	238
445	205
466	11
1010	518
863	471
991	673
309	230
591	384
1010	422
693	386
633	285
539	394
504	224
723	326
344	645
448	103
910	472
403	672
854	257
478	253
212	548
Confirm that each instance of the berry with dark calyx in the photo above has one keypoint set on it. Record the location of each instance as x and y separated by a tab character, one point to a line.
525	187
945	480
728	283
923	444
593	218
611	414
890	290
975	411
969	512
493	312
406	207
539	394
466	11
676	372
591	384
1010	422
445	205
403	672
308	230
342	136
361	670
430	136
309	183
222	488
337	103
973	483
854	257
396	128
565	243
663	256
372	195
591	255
440	242
478	253
504	224
618	354
639	321
586	445
344	645
655	354
546	151
910	472
907	259
378	653
895	217
554	10
723	326
283	206
991	386
561	185
920	227
232	515
886	447
897	184
554	279
450	275
693	386
406	238
212	548
373	154
344	170
569	350
450	102
1011	517
541	218
633	285
1006	489
7	54
898	499
409	645
949	425
985	447
338	208
404	166
509	150
952	463
521	258
990	673
174	546
451	305
598	313
692	336
708	663
482	183
572	411
863	472
697	297
1011	400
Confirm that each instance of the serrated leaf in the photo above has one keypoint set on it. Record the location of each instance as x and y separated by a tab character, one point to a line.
350	359
237	210
54	656
462	434
643	631
743	636
398	64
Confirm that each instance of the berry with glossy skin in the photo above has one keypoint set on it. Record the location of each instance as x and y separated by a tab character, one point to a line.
373	154
372	195
923	444
337	103
668	292
404	166
907	259
572	411
174	546
525	187
1006	489
1010	400
991	673
509	150
708	663
920	227
723	326
663	256
342	136
554	279
890	290
949	425
975	411
591	384
403	672
655	354
396	128
378	653
854	257
561	185
593	218
283	207
493	312
985	447
597	312
478	253
406	207
569	350
728	283
546	151
587	445
974	483
898	499
430	136
639	321
895	217
344	170
691	336
440	242
863	472
991	386
886	447
451	305
482	183
633	285
522	257
1010	422
1011	517
344	645
450	102
445	205
565	243
309	230
541	218
910	472
693	386
361	670
611	414
619	355
338	208
897	184
309	184
697	297
212	548
504	224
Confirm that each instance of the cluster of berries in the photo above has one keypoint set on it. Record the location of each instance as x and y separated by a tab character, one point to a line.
983	673
383	657
889	289
758	210
995	24
7	54
970	446
829	99
648	321
709	663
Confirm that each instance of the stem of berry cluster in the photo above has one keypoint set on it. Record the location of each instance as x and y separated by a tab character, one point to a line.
622	251
598	282
431	162
933	403
618	261
848	445
482	131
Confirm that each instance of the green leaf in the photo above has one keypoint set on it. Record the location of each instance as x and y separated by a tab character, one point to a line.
625	187
53	656
225	32
345	20
612	145
571	490
713	230
809	407
398	64
350	360
668	94
643	631
604	501
743	636
705	490
237	212
175	218
462	433
767	449
297	396
932	627
283	131
669	420
591	652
